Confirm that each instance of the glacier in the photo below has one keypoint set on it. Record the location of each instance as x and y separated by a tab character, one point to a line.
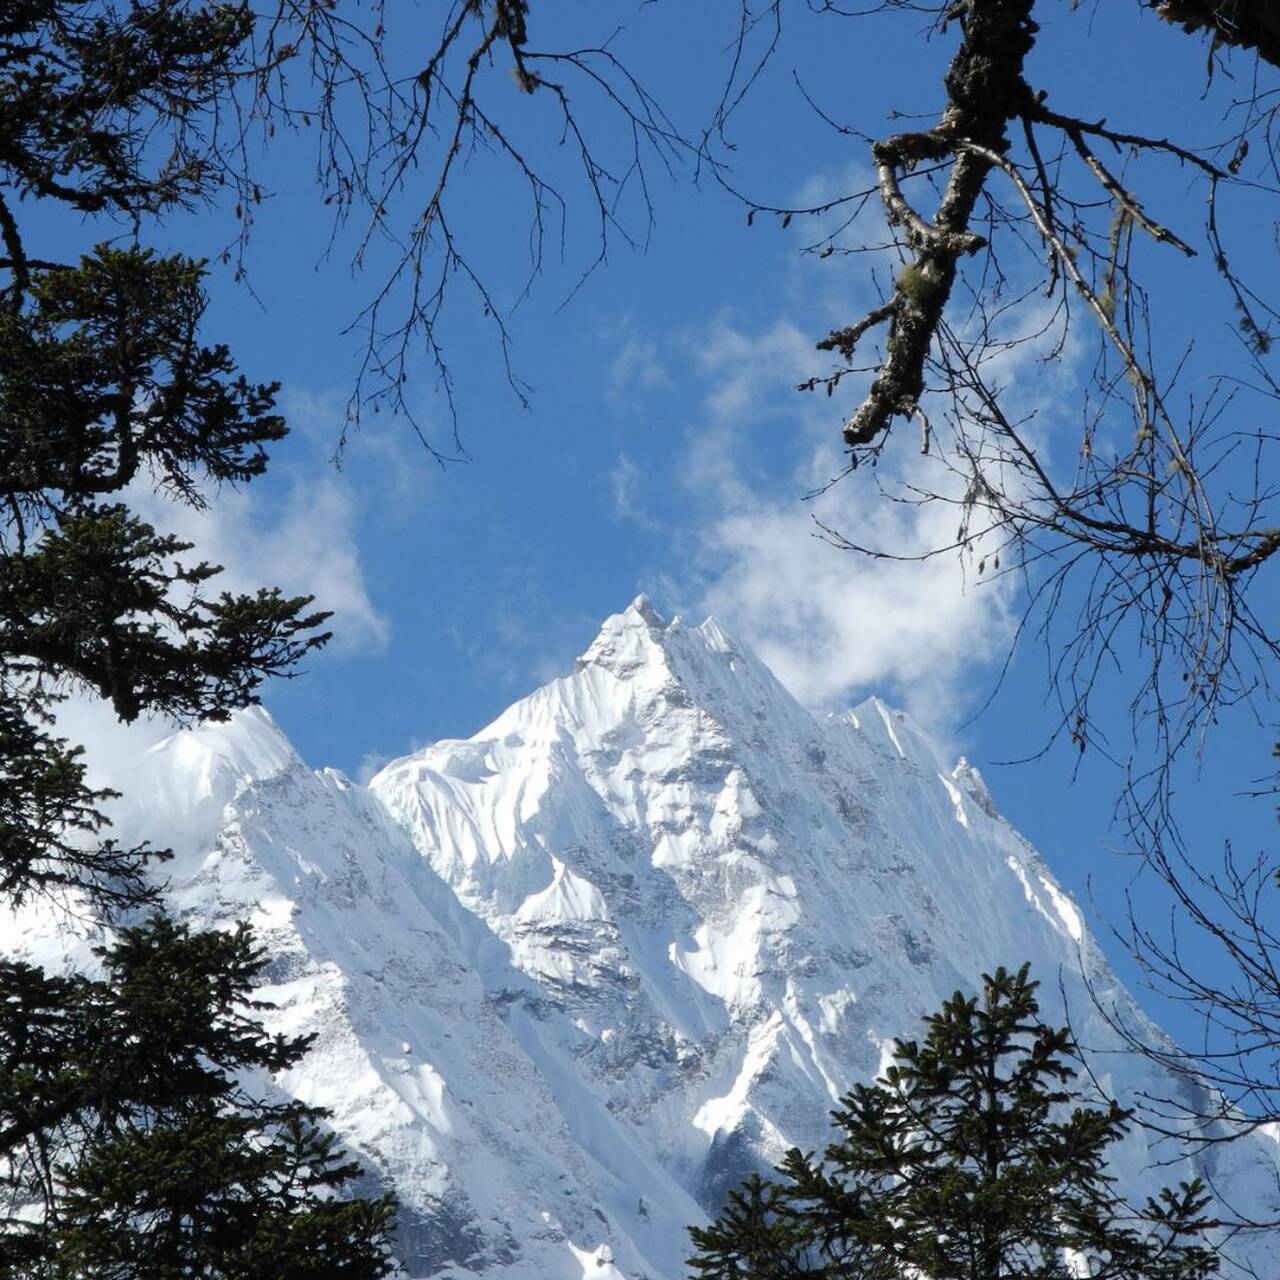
574	977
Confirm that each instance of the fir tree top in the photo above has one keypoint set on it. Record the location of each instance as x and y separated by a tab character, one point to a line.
971	1158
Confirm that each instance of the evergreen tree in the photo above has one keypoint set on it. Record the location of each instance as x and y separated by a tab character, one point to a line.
103	383
133	1140
123	1096
969	1159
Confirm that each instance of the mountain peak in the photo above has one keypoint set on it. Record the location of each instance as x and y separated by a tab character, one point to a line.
643	608
627	640
573	978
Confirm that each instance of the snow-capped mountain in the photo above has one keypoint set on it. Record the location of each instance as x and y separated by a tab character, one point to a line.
575	976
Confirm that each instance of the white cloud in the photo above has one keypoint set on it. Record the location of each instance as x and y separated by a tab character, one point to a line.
837	625
622	481
637	365
302	541
380	451
626	481
749	374
370	764
834	625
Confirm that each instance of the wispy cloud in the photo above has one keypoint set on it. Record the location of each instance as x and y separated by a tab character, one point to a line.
834	625
111	748
626	483
297	529
302	541
637	365
371	763
380	455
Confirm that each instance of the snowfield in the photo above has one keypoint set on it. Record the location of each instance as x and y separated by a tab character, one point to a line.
573	978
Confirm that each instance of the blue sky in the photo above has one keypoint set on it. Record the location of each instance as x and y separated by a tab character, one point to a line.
664	449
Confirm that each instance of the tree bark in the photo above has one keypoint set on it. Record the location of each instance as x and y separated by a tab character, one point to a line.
985	90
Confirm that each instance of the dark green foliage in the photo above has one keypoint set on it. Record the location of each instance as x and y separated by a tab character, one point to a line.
88	87
122	1104
102	371
135	1140
103	384
50	820
205	1198
96	600
102	381
967	1160
757	1235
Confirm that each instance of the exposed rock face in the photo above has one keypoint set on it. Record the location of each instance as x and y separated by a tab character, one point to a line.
574	977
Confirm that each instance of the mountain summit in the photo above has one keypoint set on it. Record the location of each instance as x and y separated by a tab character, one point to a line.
574	977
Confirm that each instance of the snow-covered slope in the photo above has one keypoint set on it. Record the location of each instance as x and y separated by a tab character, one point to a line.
575	976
